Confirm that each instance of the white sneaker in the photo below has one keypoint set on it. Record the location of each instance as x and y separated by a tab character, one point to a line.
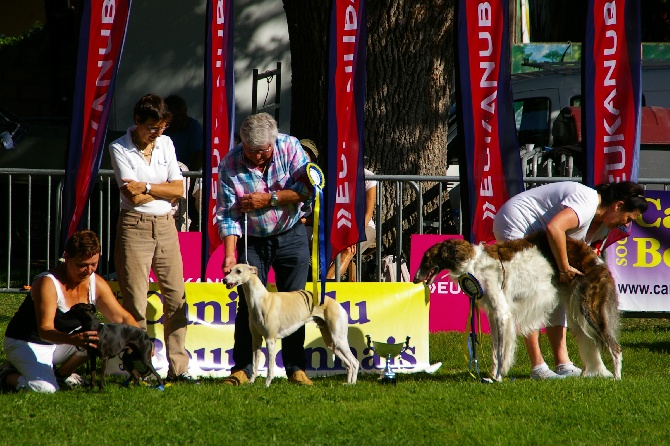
543	372
568	370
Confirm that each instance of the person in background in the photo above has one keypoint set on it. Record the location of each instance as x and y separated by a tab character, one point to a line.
149	178
39	335
566	209
370	231
310	149
264	178
185	133
187	136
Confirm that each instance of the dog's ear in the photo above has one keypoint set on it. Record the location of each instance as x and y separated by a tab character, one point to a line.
454	252
253	270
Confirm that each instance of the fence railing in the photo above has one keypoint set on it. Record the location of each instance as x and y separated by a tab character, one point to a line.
30	201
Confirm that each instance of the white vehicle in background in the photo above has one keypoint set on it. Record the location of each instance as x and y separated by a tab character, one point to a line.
548	120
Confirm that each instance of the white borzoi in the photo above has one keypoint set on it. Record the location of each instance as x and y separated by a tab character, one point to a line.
521	288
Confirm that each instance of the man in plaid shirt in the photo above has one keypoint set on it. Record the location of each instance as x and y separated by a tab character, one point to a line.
264	178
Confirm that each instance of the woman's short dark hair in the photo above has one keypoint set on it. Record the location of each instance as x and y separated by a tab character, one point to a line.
632	195
83	244
151	106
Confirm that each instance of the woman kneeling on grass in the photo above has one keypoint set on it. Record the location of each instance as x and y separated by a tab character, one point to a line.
39	336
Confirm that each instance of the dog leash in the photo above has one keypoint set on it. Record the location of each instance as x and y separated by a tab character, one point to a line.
317	179
246	239
473	289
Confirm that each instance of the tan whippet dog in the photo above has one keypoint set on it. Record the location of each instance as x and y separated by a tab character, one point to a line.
276	315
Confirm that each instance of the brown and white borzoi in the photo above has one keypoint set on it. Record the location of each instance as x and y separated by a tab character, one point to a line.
521	288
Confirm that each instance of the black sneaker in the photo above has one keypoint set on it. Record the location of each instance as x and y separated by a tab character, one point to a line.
6	368
183	378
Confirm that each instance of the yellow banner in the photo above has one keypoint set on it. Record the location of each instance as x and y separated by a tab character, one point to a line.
388	312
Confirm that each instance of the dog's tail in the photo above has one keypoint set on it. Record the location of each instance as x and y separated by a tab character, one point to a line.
600	305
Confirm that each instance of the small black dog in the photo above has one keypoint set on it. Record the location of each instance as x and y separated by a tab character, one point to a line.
114	339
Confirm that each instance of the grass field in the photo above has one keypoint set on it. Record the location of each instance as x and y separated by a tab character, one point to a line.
448	407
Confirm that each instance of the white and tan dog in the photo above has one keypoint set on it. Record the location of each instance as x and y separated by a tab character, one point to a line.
520	287
276	315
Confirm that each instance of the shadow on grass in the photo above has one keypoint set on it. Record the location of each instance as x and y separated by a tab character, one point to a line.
653	347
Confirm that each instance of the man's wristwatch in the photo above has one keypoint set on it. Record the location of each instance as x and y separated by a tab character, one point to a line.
274	200
147	188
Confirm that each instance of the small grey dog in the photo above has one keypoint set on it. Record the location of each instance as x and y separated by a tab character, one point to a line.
113	340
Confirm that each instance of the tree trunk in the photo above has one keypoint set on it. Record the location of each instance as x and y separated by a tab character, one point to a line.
410	78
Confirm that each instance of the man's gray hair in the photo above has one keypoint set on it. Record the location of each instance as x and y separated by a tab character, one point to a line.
258	130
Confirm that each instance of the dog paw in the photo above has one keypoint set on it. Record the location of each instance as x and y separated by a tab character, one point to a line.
600	373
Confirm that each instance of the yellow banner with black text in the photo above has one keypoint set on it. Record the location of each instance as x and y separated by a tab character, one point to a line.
387	312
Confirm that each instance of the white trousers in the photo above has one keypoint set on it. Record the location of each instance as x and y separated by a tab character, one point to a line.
35	363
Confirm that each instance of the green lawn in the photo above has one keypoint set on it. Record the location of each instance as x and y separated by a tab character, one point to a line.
449	407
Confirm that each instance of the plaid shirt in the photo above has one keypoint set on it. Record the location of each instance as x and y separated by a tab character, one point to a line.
238	177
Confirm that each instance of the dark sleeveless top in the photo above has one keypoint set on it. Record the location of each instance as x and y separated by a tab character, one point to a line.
23	325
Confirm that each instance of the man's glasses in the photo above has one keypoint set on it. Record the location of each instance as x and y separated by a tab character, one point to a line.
257	151
158	129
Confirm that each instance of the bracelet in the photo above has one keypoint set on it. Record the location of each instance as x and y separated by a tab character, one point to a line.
564	272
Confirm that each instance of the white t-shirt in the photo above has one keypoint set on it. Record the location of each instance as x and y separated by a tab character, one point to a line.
128	163
531	211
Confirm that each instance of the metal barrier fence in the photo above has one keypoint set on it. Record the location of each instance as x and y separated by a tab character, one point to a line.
30	202
31	207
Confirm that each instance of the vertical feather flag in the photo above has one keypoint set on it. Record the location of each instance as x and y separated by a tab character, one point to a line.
346	98
613	91
101	38
613	95
219	113
492	166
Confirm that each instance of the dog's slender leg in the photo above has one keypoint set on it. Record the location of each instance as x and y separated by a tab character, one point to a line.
334	331
270	344
588	350
343	351
256	344
506	331
496	372
103	370
92	363
617	359
339	344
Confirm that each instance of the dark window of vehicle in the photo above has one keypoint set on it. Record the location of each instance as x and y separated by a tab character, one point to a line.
532	120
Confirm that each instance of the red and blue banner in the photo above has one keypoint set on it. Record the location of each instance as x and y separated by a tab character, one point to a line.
613	92
491	171
101	38
219	113
346	97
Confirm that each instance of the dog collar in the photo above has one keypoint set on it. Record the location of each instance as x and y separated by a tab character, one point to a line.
470	286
